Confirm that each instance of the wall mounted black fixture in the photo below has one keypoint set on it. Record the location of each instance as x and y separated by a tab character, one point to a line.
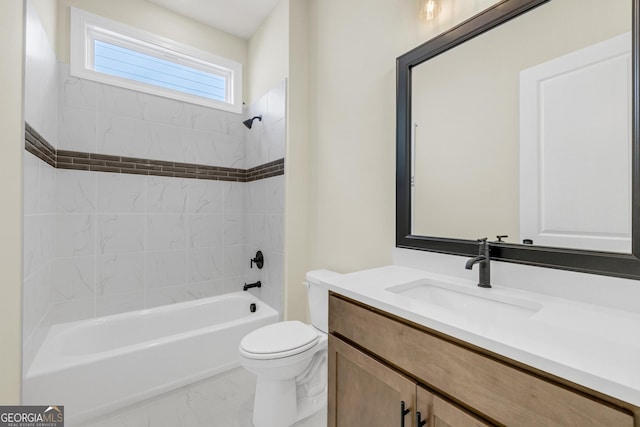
258	260
249	122
246	287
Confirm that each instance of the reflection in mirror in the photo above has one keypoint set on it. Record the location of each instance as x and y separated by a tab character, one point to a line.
525	130
449	13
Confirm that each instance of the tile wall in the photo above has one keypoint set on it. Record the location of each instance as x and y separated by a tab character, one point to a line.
98	118
133	242
39	181
99	243
264	211
138	241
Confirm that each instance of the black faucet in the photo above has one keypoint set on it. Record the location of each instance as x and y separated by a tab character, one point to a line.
484	260
252	285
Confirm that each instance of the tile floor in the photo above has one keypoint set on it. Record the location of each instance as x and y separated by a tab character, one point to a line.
225	400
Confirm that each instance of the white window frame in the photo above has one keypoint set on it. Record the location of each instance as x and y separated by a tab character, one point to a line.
87	27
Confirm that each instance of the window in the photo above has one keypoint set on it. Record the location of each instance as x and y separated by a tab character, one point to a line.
109	52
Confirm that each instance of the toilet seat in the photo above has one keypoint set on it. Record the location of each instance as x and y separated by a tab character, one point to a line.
279	340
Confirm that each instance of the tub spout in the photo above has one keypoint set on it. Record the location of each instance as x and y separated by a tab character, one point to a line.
252	285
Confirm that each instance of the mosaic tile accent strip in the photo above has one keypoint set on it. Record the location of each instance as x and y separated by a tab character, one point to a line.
267	170
132	165
64	159
38	146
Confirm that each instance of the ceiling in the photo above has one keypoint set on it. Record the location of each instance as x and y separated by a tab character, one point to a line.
238	17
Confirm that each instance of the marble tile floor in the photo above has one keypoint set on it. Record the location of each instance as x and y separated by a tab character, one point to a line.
225	400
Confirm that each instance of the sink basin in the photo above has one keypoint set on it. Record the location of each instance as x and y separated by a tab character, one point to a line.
467	302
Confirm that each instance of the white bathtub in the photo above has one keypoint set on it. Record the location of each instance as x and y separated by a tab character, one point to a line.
97	365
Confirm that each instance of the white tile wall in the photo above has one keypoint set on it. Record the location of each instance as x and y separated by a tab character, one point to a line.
166	269
38	254
121	193
95	117
121	136
41	76
119	233
156	239
265	142
73	278
264	199
169	195
265	232
75	192
77	129
119	273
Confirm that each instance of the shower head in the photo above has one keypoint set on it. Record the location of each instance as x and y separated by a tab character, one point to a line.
249	122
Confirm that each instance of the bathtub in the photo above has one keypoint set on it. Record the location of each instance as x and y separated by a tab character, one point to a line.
95	366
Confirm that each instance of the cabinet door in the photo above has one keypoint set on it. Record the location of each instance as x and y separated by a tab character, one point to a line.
438	412
364	392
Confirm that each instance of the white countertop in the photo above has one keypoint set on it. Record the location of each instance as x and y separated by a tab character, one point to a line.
594	346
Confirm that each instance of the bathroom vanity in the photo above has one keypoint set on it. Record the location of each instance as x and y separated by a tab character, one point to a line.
487	133
398	348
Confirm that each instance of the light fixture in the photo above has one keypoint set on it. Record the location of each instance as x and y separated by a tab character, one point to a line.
429	9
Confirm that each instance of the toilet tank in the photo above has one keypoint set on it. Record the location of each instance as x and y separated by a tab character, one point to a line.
318	297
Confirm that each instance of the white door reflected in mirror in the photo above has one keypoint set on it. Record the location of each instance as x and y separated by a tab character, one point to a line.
466	153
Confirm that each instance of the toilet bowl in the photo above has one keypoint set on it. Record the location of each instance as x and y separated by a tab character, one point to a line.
289	360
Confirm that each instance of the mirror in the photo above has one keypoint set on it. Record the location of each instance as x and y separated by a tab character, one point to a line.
521	124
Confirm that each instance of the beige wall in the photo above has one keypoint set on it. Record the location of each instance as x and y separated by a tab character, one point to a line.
340	180
11	150
353	49
155	19
268	53
297	164
48	13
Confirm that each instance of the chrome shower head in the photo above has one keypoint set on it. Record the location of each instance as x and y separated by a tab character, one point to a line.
249	122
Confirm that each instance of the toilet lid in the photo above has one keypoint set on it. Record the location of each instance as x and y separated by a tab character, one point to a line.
291	337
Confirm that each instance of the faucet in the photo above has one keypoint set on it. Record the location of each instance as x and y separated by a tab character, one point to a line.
484	260
246	287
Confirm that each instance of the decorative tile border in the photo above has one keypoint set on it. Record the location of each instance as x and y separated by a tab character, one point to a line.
267	170
64	159
132	165
38	146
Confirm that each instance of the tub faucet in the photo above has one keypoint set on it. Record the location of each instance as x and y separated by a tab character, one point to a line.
484	260
252	285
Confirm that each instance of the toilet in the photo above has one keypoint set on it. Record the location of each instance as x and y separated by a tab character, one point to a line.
289	360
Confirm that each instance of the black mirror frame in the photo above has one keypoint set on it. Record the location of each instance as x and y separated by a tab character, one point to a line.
593	262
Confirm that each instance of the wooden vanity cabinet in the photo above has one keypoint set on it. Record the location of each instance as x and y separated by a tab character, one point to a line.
438	411
366	392
378	361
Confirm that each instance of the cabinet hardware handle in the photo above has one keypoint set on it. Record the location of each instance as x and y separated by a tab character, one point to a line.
403	412
419	421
